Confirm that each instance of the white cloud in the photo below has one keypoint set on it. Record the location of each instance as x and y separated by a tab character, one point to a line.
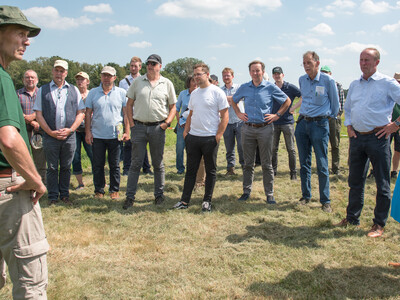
142	44
391	27
49	17
328	14
280	59
371	8
352	47
101	8
123	30
328	62
322	29
343	4
277	48
222	45
308	41
220	11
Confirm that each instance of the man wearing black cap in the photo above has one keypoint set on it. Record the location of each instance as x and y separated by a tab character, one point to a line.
284	124
23	243
154	98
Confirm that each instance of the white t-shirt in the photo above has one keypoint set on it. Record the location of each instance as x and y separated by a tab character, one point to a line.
205	104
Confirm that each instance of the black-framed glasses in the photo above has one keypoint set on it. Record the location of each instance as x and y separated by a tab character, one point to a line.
153	63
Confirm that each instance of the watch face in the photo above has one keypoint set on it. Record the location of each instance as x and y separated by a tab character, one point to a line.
37	141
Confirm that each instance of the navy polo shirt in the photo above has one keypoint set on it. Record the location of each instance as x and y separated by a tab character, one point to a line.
292	92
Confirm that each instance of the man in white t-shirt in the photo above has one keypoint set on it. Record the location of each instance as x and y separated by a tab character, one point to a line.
205	125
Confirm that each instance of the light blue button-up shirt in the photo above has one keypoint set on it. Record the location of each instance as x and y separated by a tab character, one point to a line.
182	105
369	103
258	99
233	118
59	96
107	111
320	96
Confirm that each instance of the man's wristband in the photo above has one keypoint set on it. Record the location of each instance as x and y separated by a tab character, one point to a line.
397	123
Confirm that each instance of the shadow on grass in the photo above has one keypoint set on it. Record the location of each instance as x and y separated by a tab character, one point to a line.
295	237
360	282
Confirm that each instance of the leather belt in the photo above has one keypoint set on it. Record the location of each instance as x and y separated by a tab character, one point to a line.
257	125
5	173
148	123
314	118
375	130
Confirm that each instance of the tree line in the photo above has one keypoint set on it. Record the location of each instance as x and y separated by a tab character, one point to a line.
176	71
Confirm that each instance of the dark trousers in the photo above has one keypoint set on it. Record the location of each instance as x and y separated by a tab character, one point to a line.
127	154
363	149
77	162
58	154
196	148
100	146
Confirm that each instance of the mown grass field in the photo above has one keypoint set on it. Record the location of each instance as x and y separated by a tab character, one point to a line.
245	250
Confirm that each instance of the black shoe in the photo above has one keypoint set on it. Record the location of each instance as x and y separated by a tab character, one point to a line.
159	200
128	203
393	174
206	206
52	202
275	172
304	201
244	197
148	172
180	205
293	176
125	173
271	200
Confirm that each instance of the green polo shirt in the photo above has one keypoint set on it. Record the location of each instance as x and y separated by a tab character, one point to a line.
151	102
10	111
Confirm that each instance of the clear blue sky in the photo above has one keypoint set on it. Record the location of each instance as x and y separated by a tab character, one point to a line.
220	32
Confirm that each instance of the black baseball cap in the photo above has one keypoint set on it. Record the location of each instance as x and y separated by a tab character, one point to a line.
277	70
154	57
12	15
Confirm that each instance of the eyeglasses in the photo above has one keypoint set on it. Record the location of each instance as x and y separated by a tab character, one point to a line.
153	63
199	74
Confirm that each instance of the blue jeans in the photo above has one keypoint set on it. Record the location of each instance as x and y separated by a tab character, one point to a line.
313	134
232	132
180	147
155	136
288	134
363	149
196	148
251	138
76	162
58	153
100	146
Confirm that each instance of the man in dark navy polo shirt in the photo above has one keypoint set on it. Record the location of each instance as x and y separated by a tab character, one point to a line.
284	124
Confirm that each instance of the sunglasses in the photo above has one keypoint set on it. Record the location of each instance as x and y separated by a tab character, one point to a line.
151	63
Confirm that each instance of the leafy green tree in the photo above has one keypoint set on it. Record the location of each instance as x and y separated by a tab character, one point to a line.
177	82
182	67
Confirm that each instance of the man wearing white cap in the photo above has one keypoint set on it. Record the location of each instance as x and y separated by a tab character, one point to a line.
106	127
154	98
23	243
59	111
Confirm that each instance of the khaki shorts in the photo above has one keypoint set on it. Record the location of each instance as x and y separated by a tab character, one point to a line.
23	243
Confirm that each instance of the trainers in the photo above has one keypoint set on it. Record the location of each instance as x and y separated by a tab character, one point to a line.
159	200
128	203
393	174
206	206
231	171
304	201
326	207
114	195
293	176
376	231
244	197
180	205
80	187
271	200
99	195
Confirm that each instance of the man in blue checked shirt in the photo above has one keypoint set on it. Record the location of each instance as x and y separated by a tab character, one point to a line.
258	129
368	110
320	101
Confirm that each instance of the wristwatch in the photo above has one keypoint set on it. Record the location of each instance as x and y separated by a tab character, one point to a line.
278	114
397	123
168	124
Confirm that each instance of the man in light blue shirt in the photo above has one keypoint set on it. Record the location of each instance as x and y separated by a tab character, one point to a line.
320	101
258	96
368	110
105	120
234	128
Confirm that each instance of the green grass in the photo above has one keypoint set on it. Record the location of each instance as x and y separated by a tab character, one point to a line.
239	251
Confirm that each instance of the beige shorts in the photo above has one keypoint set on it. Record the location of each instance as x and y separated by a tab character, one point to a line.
23	243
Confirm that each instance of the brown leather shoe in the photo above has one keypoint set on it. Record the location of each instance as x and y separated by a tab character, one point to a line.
99	195
376	231
66	200
342	223
114	195
394	264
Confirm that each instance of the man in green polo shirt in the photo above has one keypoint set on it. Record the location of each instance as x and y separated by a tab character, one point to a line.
23	243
